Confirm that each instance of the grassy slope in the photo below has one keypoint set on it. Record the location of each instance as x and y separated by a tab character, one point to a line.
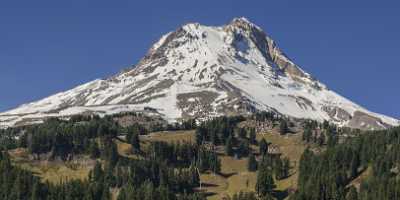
53	171
234	177
362	177
292	147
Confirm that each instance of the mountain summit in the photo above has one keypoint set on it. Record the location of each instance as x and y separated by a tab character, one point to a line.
205	71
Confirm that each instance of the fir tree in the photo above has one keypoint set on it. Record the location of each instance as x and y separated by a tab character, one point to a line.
263	147
135	142
243	149
94	150
252	163
265	183
252	136
283	127
97	173
307	134
228	147
352	194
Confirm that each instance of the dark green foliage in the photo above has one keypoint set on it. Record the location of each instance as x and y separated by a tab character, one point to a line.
8	139
265	183
286	167
352	194
64	138
20	184
283	127
110	152
332	138
252	136
201	134
189	124
307	134
94	150
281	168
171	171
263	147
165	171
135	142
229	147
326	175
208	160
244	149
97	174
241	133
175	154
139	179
217	130
252	163
321	140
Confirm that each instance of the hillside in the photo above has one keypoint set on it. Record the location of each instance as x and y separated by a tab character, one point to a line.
61	152
240	158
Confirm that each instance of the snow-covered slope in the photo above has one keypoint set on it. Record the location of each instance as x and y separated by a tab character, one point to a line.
203	71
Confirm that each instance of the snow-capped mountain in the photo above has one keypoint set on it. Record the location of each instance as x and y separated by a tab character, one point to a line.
205	71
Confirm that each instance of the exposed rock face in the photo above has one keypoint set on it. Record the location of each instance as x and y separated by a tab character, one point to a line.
203	71
337	114
363	120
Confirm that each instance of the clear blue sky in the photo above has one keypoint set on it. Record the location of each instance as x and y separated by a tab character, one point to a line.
48	46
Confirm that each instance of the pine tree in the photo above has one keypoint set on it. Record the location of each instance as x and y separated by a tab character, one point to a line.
242	133
265	183
106	195
200	135
36	191
214	138
135	142
94	150
283	127
252	163
97	173
321	139
352	194
286	167
111	153
332	139
252	136
243	149
307	134
102	130
278	169
325	124
263	147
228	147
215	163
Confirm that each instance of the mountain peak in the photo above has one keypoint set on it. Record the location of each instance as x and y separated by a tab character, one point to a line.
242	21
203	71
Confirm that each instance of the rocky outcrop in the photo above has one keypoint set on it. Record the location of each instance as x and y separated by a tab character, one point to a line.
363	120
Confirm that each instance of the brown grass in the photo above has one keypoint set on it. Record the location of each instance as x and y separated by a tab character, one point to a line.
362	177
171	136
234	175
53	171
234	178
292	147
